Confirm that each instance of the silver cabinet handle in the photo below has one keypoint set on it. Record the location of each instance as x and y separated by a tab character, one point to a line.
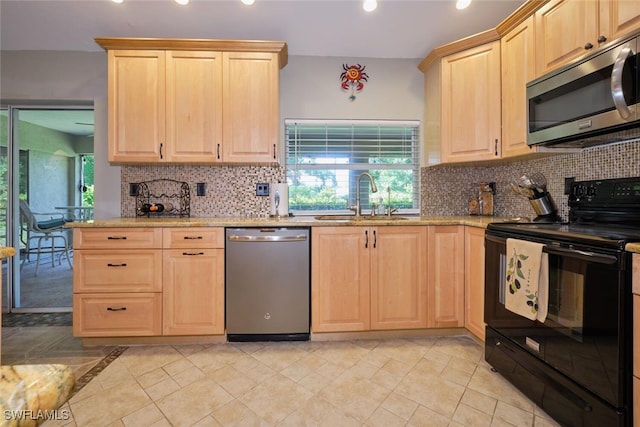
296	238
616	83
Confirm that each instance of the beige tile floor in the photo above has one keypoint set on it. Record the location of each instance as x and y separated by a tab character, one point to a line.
431	381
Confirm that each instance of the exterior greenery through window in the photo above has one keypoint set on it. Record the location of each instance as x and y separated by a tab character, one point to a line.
325	158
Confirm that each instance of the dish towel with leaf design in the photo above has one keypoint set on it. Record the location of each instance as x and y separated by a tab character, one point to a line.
527	281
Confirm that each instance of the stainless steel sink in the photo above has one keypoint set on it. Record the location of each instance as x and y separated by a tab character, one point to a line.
362	218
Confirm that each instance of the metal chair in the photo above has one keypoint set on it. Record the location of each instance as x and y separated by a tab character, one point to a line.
43	227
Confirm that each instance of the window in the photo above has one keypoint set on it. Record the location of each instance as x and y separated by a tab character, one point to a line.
325	158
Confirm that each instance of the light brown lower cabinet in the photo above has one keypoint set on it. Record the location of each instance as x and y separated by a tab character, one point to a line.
148	281
365	278
193	292
445	271
474	281
117	314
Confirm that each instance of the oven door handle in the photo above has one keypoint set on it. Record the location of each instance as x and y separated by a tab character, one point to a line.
583	255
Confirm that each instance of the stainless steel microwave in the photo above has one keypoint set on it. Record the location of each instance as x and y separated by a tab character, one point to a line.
583	103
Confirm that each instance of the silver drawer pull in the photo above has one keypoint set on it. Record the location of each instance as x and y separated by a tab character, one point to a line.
192	238
116	265
192	253
298	238
117	238
116	309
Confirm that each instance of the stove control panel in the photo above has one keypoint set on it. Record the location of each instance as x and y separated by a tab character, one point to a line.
605	192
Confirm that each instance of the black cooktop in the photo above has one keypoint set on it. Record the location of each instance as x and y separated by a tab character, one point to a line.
603	235
603	213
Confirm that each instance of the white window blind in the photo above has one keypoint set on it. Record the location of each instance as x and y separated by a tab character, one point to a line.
325	158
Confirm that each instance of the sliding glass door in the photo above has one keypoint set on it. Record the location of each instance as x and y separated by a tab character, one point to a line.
45	150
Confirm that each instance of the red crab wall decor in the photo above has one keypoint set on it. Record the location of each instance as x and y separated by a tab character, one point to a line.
353	77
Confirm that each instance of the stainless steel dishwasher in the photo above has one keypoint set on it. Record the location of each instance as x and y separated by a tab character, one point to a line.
267	284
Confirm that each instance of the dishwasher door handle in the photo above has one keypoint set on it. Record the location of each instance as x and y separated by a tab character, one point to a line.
240	238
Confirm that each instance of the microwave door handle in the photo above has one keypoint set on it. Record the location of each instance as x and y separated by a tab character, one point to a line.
616	83
584	255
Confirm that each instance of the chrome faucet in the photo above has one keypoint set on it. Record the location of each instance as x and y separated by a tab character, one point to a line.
374	189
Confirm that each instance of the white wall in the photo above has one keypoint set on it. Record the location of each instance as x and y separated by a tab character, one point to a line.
36	76
309	87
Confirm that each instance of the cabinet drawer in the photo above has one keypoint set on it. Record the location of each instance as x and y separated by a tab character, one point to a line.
125	314
117	238
117	271
193	237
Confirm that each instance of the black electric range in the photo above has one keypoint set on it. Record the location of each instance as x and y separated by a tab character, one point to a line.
576	363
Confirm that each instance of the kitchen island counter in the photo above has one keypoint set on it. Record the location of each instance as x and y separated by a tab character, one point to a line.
302	221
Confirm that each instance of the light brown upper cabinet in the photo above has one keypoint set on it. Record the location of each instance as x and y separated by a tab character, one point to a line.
251	107
193	101
462	111
518	68
569	29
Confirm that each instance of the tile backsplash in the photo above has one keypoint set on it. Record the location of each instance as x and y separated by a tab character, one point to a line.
445	190
230	190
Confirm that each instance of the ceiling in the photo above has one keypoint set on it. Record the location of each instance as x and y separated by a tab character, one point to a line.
396	29
71	121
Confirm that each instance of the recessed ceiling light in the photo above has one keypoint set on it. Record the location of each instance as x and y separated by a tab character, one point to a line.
117	1
182	2
248	2
370	5
462	4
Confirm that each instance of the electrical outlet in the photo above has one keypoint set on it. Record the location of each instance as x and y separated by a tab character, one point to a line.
201	189
262	189
133	188
567	184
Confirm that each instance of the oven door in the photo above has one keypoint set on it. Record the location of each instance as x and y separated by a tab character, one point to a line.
583	335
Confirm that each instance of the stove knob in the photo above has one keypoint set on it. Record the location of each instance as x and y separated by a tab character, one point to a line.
591	191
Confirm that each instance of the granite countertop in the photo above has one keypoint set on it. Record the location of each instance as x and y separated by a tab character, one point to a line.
633	247
306	221
475	221
6	251
31	394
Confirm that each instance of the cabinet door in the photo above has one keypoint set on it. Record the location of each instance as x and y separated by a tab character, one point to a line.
471	104
251	107
340	279
193	292
399	277
474	281
518	68
136	105
564	31
445	272
194	106
618	18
